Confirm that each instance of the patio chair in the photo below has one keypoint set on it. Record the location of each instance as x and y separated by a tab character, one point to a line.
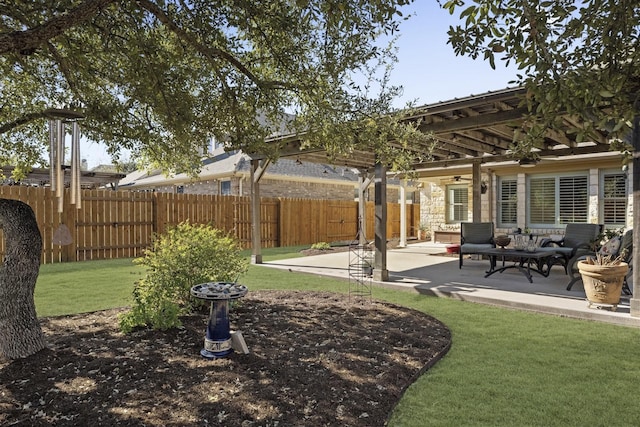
616	246
475	237
578	240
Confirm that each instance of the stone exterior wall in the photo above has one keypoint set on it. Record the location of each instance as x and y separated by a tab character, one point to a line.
433	204
433	216
432	208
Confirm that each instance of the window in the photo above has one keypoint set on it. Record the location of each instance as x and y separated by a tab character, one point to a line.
457	203
508	202
557	200
613	200
225	188
574	199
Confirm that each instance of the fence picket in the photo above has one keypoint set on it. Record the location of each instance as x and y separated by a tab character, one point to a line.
114	224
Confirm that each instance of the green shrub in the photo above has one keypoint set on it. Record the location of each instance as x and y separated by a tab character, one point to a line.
323	246
185	256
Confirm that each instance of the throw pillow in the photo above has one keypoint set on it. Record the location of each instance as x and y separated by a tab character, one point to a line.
611	247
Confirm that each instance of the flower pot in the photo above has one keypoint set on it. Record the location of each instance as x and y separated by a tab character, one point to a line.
603	283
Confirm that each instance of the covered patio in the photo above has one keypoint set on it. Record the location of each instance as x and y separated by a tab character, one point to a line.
421	268
471	133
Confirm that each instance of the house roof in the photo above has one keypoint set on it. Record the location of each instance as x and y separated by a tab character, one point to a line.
220	166
236	163
475	128
88	179
297	169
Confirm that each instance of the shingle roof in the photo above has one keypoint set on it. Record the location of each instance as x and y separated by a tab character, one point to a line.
228	164
293	168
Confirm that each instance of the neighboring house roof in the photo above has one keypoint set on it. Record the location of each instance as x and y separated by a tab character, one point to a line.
94	178
226	165
219	166
105	168
287	168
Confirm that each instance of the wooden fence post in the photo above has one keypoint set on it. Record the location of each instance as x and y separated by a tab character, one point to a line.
95	230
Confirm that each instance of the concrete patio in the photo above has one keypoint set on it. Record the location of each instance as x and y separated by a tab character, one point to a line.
418	268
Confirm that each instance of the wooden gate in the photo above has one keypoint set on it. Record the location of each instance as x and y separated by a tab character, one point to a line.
342	221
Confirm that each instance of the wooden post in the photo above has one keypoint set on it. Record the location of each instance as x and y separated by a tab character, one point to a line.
380	272
363	183
257	170
634	303
477	192
403	215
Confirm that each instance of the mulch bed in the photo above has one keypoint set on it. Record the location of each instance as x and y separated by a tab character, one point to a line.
316	359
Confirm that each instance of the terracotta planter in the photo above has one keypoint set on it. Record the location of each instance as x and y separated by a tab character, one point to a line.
603	283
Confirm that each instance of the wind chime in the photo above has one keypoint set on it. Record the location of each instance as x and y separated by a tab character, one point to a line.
58	119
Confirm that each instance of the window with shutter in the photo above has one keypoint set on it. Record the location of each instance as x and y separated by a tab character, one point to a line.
613	198
457	203
573	199
542	201
555	200
508	202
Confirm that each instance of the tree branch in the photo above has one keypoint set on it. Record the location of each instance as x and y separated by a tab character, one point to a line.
209	51
23	120
64	67
26	42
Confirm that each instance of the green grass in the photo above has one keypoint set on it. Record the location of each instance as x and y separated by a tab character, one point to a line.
80	287
505	367
273	254
513	368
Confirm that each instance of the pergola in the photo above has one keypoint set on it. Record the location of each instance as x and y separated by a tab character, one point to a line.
470	132
477	128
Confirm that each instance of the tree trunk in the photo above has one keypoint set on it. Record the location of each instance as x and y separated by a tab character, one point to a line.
20	332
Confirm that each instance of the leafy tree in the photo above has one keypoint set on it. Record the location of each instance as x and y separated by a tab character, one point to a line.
579	57
159	78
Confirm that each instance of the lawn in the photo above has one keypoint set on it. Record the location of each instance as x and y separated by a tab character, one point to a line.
505	367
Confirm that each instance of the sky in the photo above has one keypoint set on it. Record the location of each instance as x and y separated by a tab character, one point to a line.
427	68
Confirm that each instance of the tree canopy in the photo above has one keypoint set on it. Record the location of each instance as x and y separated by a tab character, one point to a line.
580	57
160	78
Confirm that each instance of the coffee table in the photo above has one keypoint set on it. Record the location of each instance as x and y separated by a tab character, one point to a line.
522	260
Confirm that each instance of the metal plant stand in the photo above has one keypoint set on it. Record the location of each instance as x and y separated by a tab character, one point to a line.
217	341
361	261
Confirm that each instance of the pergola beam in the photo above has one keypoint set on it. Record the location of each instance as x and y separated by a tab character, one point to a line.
591	149
470	123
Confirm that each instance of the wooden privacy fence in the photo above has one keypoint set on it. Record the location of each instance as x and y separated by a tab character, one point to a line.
121	224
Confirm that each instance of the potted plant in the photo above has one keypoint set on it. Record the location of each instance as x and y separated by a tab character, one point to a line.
423	229
603	276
